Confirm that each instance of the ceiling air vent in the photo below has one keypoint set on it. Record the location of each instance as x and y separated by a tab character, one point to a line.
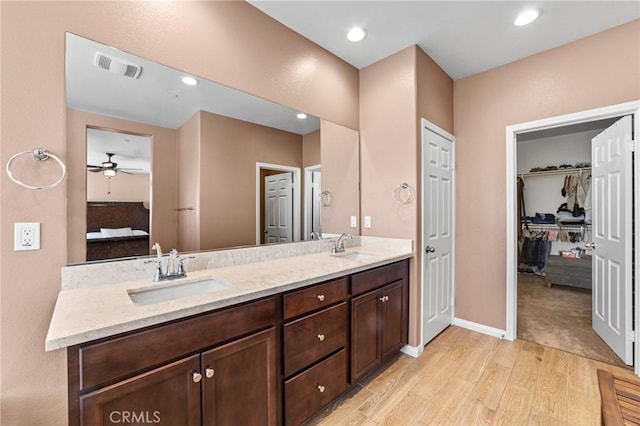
116	66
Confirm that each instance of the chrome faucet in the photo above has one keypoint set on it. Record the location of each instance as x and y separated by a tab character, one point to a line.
338	246
315	235
175	265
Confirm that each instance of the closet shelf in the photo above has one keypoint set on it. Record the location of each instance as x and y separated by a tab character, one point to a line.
555	172
558	225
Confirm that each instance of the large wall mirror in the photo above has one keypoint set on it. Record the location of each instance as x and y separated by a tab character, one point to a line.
191	164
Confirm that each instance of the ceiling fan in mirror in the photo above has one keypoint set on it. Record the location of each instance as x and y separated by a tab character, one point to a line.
109	168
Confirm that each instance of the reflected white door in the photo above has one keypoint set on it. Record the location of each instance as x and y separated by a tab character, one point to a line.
611	155
316	205
437	273
278	192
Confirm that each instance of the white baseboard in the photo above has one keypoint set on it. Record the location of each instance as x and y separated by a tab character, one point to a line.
413	351
480	328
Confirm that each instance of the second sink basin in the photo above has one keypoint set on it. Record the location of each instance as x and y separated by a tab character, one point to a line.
164	292
354	255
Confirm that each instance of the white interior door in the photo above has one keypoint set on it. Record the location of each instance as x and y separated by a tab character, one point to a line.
312	202
611	154
437	272
278	192
316	205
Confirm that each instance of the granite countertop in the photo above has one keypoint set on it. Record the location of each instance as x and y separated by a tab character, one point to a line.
86	314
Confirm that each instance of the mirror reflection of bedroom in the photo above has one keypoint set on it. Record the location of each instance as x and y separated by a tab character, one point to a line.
118	194
555	239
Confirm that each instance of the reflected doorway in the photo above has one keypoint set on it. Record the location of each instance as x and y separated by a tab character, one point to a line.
277	203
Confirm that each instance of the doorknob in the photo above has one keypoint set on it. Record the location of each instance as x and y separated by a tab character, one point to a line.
590	245
430	249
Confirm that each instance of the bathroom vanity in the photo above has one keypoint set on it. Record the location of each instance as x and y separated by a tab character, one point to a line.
273	356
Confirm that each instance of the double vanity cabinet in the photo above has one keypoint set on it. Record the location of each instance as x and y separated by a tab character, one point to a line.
276	360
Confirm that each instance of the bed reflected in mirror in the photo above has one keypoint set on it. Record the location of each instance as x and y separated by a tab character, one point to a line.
118	194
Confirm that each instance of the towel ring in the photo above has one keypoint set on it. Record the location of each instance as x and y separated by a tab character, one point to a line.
325	198
39	154
404	193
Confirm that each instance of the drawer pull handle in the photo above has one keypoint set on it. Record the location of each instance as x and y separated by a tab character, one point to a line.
384	298
321	388
209	373
320	297
320	337
197	377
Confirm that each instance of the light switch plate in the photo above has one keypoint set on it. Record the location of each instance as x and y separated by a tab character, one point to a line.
26	236
354	222
367	221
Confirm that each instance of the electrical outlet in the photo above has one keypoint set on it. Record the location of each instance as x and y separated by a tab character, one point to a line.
26	236
367	221
354	222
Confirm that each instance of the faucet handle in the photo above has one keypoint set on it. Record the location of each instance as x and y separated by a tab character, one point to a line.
181	263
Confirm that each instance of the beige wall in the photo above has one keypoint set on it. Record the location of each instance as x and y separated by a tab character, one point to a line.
311	149
163	220
340	163
122	187
229	150
189	184
593	72
270	61
394	94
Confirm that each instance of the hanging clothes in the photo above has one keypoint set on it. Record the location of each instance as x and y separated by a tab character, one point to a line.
522	214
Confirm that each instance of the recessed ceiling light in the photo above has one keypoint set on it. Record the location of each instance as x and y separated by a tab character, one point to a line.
527	17
301	115
189	81
356	34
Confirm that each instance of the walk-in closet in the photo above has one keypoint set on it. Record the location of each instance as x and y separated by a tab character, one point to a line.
555	238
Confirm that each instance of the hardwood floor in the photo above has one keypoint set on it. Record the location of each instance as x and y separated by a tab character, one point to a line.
466	378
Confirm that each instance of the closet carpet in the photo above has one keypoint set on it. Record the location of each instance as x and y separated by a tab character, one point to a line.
559	317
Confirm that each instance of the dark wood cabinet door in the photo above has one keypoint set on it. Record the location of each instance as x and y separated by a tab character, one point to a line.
239	382
167	395
393	333
365	325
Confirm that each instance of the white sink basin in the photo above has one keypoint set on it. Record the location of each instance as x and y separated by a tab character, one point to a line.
164	292
354	255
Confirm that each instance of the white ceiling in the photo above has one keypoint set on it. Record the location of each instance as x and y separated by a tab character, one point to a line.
463	37
147	98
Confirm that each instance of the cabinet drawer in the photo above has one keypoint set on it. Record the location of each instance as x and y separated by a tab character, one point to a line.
102	362
312	337
370	280
311	390
312	298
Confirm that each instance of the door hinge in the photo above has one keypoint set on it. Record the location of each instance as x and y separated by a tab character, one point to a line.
631	336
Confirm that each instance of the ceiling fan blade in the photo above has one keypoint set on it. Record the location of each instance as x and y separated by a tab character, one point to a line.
94	170
95	167
128	168
122	171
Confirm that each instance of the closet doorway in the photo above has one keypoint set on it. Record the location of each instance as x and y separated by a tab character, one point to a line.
549	296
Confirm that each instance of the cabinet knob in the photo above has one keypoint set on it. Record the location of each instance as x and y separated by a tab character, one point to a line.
384	298
320	297
209	373
321	388
197	377
320	337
